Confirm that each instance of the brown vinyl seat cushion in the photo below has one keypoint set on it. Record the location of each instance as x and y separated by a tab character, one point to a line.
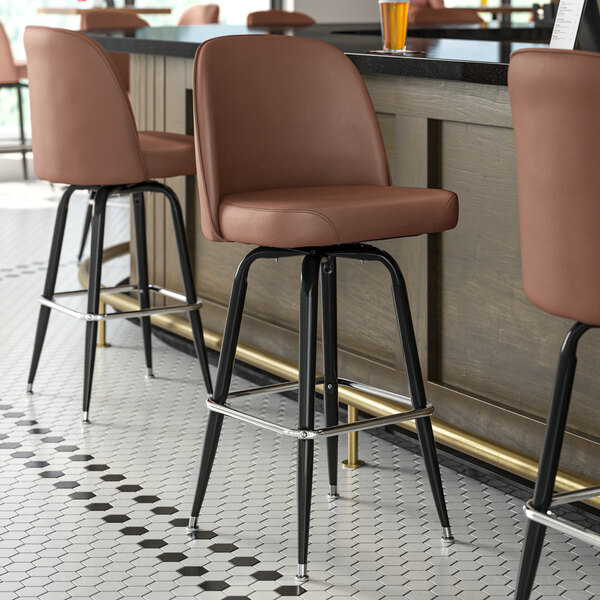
328	215
167	154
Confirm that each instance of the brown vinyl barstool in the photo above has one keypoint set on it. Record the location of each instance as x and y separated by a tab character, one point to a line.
427	15
292	161
278	18
12	73
84	135
554	100
199	14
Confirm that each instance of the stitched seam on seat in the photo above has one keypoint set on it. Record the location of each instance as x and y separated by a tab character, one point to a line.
443	217
308	212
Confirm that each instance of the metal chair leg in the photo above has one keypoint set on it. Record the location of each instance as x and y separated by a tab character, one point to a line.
22	126
417	392
91	331
553	439
330	384
223	382
86	224
309	290
50	283
188	284
141	255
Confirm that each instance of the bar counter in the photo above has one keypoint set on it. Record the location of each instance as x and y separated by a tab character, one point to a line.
488	356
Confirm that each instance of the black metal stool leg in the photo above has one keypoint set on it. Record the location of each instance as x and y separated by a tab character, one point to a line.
417	392
309	306
553	439
86	224
224	373
141	255
50	283
188	284
22	125
330	384
93	298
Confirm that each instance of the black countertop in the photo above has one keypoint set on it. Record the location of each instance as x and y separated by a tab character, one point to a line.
469	60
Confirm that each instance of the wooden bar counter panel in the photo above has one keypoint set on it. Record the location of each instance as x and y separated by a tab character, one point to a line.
488	355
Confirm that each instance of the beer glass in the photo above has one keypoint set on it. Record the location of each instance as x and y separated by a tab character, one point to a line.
394	20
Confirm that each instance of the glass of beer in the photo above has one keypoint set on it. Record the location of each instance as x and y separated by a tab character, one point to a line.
394	20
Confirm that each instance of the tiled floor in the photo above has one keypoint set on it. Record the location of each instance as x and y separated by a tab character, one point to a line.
99	511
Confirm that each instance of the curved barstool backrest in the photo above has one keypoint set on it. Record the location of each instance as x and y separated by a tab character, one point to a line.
554	99
303	119
428	15
8	70
200	14
110	19
106	19
95	146
274	18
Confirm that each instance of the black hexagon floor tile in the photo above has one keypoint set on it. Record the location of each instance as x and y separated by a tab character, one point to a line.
99	506
199	534
97	467
116	518
214	586
81	457
244	561
223	548
267	575
129	488
146	499
52	474
172	557
290	590
82	495
192	571
133	530
152	543
164	510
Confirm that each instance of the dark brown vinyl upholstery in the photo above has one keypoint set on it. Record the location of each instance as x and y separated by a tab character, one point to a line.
103	19
275	18
424	15
11	71
554	99
99	145
291	154
200	14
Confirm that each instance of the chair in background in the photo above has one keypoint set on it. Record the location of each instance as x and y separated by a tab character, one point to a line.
557	148
91	142
433	16
301	171
12	73
102	19
200	14
275	18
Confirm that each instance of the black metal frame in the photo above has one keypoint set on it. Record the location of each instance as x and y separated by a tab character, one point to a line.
100	198
24	148
319	260
549	460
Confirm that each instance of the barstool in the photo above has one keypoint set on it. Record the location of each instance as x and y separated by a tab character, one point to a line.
199	14
293	161
558	181
12	73
278	18
84	135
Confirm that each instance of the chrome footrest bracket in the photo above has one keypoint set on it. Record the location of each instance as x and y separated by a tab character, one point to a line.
549	519
305	434
148	312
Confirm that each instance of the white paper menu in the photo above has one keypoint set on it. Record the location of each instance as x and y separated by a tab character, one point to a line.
566	25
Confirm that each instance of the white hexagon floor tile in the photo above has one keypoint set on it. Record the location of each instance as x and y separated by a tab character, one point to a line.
99	511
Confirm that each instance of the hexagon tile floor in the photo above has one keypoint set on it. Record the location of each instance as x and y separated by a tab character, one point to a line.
99	511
